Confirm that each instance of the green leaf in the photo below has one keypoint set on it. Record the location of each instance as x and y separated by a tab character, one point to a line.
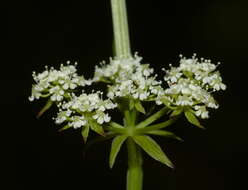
96	127
167	103
176	112
115	130
115	148
108	135
165	134
139	107
152	118
192	119
64	128
85	132
151	110
153	149
115	125
45	108
131	104
158	125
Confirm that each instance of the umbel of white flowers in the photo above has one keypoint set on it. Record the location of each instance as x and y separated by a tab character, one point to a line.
190	85
57	84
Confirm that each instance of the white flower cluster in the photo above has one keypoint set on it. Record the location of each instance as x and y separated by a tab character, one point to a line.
80	110
57	83
129	78
192	83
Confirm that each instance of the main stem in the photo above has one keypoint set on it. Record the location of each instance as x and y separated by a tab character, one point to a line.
134	172
122	50
120	27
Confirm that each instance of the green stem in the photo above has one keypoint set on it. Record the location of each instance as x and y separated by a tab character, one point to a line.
122	50
134	172
120	27
45	108
127	118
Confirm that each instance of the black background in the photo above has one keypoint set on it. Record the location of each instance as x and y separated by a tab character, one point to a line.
42	34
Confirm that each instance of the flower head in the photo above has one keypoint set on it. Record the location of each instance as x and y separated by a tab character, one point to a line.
127	77
56	84
192	84
81	110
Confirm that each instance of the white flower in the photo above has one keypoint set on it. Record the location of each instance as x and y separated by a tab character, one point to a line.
173	75
81	81
188	65
143	95
69	69
116	68
62	116
36	93
201	111
216	82
57	93
42	75
86	106
129	78
192	84
68	83
184	101
101	117
49	81
77	122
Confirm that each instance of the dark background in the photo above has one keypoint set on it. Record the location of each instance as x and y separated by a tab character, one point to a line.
42	34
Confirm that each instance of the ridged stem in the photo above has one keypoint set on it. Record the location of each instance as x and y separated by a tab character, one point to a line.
134	172
122	49
120	27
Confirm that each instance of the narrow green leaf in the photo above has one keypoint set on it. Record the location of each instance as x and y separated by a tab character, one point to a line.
139	107
115	125
45	108
167	103
153	149
131	104
98	139
158	126
85	132
115	148
176	112
114	129
64	128
151	110
192	119
165	134
96	127
152	118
